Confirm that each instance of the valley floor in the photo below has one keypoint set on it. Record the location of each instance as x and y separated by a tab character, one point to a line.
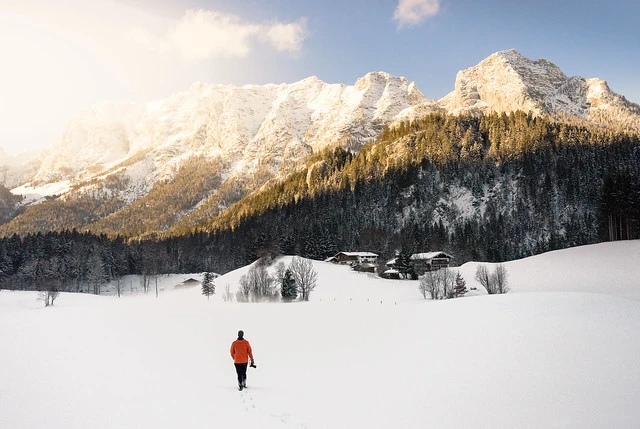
559	351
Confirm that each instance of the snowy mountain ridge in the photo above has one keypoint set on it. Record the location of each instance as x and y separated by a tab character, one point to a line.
247	126
268	130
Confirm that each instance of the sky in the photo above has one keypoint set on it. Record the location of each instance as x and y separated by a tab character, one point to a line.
59	58
559	350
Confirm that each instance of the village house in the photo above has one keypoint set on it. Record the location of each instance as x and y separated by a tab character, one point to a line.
352	258
430	261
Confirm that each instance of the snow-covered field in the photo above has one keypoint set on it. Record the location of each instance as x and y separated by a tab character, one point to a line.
559	351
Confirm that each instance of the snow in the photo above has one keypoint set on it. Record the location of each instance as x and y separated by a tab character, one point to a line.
429	255
559	351
362	254
39	192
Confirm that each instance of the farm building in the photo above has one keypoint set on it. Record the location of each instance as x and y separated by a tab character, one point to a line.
430	261
350	258
391	273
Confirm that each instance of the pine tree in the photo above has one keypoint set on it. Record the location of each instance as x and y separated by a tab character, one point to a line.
461	286
404	265
208	285
289	290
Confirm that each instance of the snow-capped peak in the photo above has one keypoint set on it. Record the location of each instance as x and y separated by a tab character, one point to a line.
507	81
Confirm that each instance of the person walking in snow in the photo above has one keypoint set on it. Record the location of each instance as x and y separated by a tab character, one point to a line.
241	353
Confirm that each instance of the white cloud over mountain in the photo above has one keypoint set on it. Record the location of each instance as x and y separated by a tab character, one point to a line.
201	35
413	12
288	37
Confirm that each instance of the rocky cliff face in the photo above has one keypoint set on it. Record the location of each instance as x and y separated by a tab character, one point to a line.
507	81
249	127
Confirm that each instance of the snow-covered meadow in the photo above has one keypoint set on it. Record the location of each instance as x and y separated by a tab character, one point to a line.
559	351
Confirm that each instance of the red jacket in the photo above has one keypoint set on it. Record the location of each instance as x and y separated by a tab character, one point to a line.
241	351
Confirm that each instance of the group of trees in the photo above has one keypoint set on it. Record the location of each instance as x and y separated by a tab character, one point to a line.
70	261
447	283
444	283
494	283
298	279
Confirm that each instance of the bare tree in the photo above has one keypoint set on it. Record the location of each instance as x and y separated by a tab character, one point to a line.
279	274
227	296
494	283
501	279
482	275
438	284
262	285
305	276
51	294
243	292
427	285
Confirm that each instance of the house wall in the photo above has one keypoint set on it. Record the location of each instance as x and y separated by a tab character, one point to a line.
346	259
422	266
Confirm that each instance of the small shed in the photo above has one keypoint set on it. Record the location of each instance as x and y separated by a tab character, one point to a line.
190	282
391	273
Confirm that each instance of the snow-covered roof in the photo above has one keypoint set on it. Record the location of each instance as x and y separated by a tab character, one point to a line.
330	258
392	271
429	255
362	254
391	261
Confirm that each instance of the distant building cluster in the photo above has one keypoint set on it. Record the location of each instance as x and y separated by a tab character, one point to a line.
419	263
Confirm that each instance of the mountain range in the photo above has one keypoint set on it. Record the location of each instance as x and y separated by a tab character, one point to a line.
241	138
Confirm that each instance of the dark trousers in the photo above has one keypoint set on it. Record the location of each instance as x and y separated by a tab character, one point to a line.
241	370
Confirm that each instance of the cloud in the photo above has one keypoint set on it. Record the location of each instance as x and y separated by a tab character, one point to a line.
201	35
413	12
288	37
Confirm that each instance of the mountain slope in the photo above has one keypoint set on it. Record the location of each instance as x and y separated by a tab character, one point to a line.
247	126
494	187
260	133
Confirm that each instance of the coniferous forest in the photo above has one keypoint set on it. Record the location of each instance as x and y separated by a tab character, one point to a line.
489	188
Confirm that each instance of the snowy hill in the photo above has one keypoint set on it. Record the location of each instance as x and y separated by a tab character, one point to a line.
364	353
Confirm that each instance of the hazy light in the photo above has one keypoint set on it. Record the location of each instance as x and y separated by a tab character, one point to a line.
59	59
